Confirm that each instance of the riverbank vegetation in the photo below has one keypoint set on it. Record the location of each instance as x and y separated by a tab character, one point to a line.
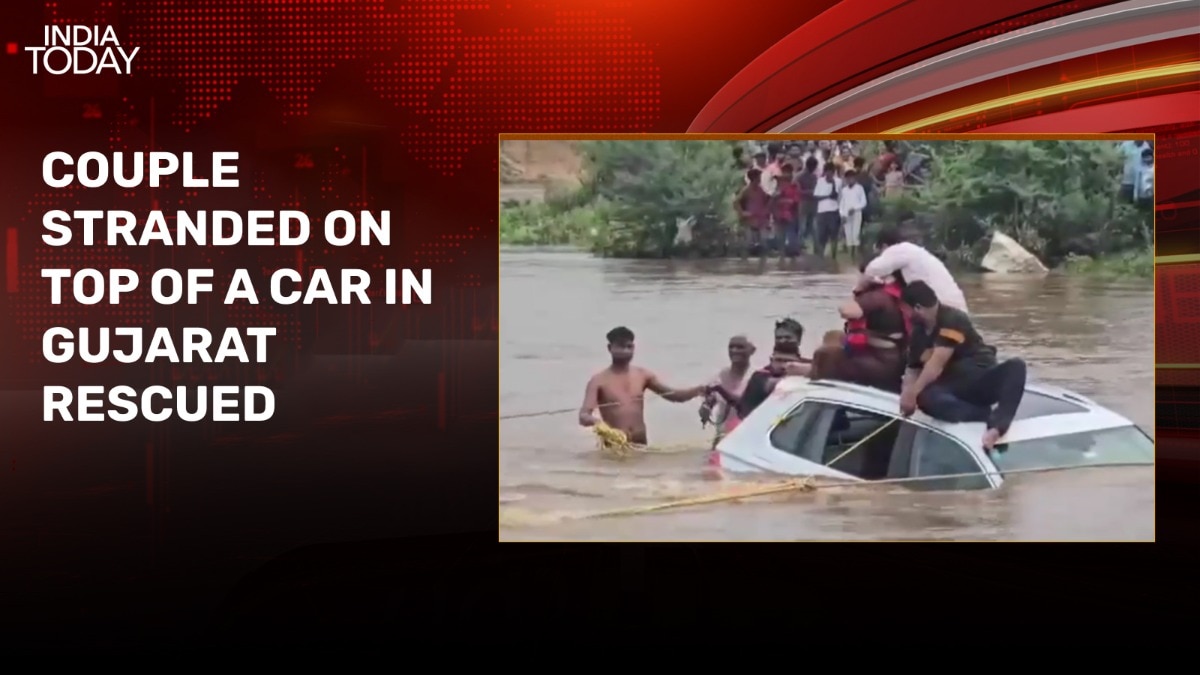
1058	199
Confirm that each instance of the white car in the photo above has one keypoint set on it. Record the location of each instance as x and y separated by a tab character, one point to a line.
807	424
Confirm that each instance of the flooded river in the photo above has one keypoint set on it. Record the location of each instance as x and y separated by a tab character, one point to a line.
1093	337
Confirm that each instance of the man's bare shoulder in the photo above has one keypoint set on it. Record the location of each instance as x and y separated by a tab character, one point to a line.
600	378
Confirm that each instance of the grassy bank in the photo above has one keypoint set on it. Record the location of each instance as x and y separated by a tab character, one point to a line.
1137	264
586	228
544	225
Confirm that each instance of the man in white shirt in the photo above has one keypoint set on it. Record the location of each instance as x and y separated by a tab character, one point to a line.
852	204
1143	188
829	218
1131	152
911	263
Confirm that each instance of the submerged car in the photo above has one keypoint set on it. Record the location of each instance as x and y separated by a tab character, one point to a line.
805	426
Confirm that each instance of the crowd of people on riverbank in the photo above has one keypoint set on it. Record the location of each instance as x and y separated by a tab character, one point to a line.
907	329
1137	178
811	196
816	196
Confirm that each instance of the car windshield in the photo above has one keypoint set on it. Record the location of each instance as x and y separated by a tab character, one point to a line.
1121	445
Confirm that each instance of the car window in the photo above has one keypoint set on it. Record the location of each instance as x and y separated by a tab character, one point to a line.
858	443
1034	404
789	435
940	455
1121	445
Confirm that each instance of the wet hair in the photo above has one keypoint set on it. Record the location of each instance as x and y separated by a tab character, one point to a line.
792	326
919	294
811	164
620	336
888	235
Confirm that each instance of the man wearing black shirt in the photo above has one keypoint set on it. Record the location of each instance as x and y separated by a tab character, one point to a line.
761	383
952	373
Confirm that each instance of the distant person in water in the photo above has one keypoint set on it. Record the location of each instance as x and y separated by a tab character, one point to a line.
716	408
618	391
788	333
762	382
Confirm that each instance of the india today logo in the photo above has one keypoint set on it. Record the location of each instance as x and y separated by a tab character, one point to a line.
81	50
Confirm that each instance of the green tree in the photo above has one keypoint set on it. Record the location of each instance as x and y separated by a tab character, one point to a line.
1056	198
650	185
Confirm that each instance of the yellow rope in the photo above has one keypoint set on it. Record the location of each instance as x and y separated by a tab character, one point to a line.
805	484
615	444
863	441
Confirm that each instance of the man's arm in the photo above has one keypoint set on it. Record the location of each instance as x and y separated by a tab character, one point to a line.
851	310
886	263
670	394
591	401
739	202
864	303
948	338
716	401
932	370
720	396
798	369
913	366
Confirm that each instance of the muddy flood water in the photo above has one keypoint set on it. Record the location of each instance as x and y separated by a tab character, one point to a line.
556	306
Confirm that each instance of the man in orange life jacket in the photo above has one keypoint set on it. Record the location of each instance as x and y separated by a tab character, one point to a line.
878	325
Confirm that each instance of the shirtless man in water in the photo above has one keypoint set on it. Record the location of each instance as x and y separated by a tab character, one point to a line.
619	390
733	380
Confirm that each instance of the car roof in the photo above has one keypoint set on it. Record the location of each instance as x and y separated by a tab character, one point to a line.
1070	412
